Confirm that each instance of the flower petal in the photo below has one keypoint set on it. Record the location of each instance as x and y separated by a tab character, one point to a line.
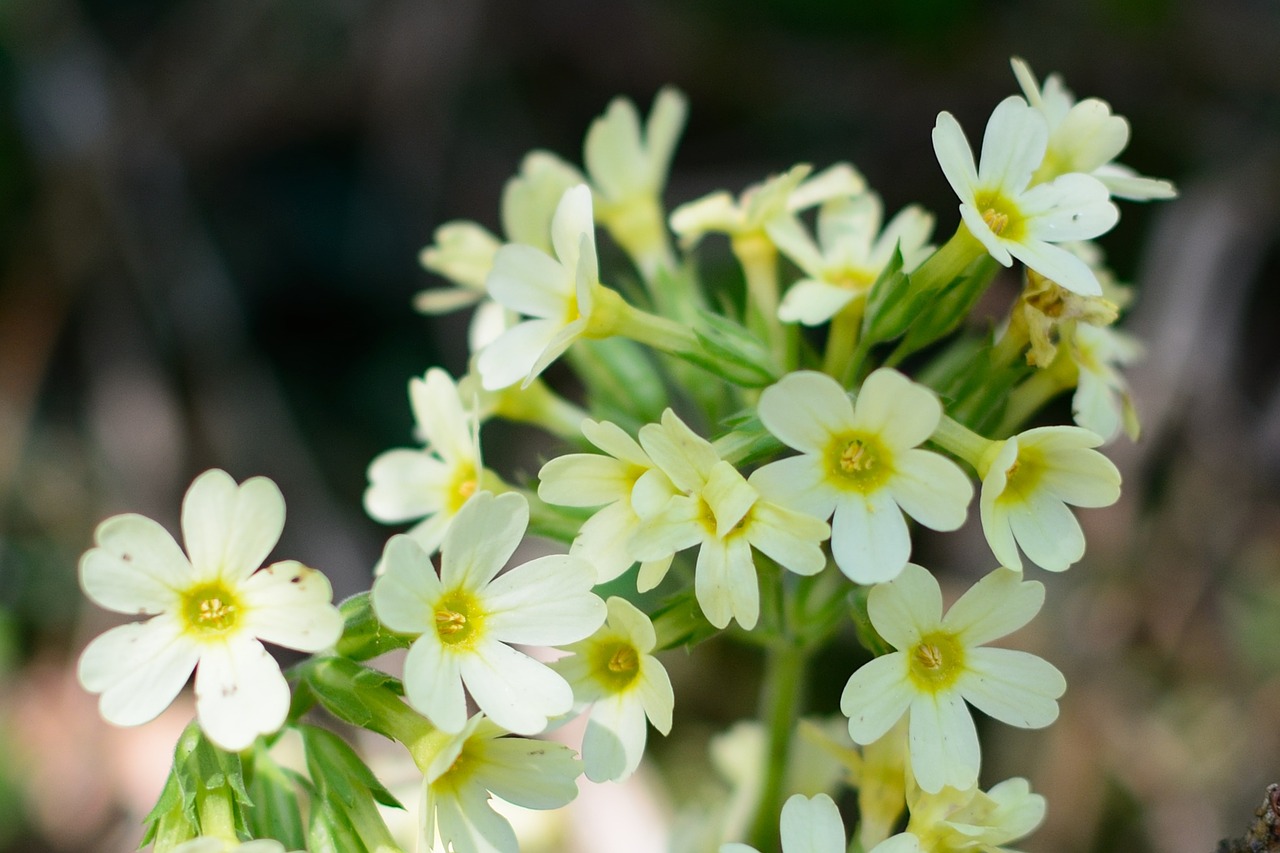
907	607
291	605
615	738
483	536
943	742
899	412
1013	146
955	156
135	568
533	774
468	824
545	602
513	355
405	594
433	684
406	484
1048	533
138	668
240	693
931	489
804	409
1012	686
994	607
514	690
876	697
725	582
230	529
529	281
811	825
869	537
439	414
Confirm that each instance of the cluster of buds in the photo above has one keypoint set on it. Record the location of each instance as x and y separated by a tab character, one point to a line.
743	461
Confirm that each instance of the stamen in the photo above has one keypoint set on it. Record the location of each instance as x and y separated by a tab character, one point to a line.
995	220
624	660
856	458
448	622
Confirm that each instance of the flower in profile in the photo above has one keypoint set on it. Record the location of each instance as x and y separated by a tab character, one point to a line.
210	610
941	662
628	166
616	673
813	825
952	821
1084	137
1028	481
726	516
862	462
624	483
479	762
758	205
558	294
849	254
432	483
1010	217
468	618
1101	402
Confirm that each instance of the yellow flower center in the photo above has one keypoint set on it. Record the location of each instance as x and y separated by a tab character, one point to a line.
459	619
936	661
211	609
615	664
1001	215
853	279
466	481
860	462
1022	478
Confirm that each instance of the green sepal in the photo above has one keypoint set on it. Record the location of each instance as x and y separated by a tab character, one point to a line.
679	622
868	636
944	311
331	830
732	353
199	771
353	693
363	636
276	812
892	303
347	792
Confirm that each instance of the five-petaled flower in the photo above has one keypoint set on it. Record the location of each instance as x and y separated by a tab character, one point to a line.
468	617
940	662
210	611
862	462
1012	219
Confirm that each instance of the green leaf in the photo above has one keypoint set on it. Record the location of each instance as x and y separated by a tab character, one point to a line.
865	631
351	692
679	622
276	813
335	768
944	311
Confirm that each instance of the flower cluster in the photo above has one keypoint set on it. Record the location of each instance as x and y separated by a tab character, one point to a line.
751	472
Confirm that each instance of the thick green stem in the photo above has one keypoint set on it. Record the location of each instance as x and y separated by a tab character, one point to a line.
780	700
948	262
759	261
842	339
955	437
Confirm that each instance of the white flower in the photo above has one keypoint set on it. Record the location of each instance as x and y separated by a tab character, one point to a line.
726	516
849	254
437	480
941	663
468	618
952	821
1027	482
614	671
209	612
557	293
1008	216
1084	137
790	192
478	762
628	168
1101	402
862	462
624	483
530	199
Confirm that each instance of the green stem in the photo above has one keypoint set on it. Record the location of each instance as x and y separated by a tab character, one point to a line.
956	438
759	261
842	339
948	262
781	692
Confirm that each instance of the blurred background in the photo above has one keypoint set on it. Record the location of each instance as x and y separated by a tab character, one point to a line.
210	215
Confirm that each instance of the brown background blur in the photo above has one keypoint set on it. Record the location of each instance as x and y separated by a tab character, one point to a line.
210	214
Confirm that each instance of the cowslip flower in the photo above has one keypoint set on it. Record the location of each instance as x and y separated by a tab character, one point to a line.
616	673
1101	402
726	516
1028	481
210	611
558	294
1085	137
436	481
467	618
624	483
861	461
478	762
941	662
850	252
952	821
1008	216
628	166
